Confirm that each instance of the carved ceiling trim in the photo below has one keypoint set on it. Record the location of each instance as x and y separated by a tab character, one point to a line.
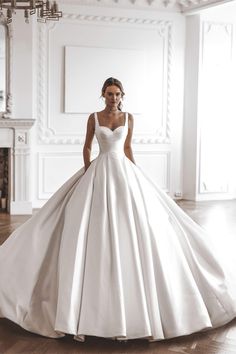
183	6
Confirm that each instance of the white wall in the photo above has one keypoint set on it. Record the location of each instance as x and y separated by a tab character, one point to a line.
153	41
209	123
146	54
144	49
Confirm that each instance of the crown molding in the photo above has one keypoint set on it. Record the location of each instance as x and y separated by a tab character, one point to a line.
8	66
181	6
16	123
127	4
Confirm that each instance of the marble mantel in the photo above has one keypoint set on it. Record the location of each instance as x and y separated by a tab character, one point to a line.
14	134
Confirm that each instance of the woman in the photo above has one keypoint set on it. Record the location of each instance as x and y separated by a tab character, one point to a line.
113	92
110	254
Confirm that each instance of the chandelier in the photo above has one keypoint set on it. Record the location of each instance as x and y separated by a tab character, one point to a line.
45	10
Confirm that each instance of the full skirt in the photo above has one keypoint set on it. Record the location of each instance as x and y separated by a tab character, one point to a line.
112	255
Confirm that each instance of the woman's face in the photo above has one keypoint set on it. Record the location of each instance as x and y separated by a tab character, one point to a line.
112	96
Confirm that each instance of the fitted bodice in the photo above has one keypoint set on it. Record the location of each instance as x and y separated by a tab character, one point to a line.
111	140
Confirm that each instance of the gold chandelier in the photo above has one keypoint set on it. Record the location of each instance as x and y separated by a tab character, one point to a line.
45	10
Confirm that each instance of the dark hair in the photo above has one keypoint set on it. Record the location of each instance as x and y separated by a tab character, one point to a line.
110	82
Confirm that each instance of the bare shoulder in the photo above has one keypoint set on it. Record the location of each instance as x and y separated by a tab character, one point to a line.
91	120
91	117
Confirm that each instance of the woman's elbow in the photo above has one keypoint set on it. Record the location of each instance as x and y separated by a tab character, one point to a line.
127	148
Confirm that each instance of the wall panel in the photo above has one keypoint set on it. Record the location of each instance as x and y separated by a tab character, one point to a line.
145	50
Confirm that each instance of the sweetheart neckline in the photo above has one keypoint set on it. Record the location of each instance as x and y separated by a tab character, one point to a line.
103	126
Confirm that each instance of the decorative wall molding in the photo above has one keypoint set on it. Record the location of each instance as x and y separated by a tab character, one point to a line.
166	167
21	138
133	4
114	20
219	35
46	133
16	123
207	26
9	60
167	5
9	67
165	31
188	6
42	192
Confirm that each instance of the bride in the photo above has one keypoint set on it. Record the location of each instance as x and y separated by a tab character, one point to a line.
110	254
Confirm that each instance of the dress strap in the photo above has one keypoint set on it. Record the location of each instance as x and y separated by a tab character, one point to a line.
97	124
96	119
126	118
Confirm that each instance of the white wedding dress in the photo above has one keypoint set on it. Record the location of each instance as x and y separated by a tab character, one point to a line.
112	255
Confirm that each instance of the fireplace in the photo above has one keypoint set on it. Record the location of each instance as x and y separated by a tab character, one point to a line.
4	179
15	175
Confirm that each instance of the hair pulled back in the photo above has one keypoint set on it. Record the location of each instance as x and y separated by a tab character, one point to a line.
110	82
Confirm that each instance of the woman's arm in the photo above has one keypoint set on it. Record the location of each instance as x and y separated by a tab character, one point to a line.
127	146
88	141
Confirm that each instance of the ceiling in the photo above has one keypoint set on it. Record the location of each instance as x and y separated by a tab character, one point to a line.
182	6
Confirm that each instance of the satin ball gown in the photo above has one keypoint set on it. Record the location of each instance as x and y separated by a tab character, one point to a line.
112	255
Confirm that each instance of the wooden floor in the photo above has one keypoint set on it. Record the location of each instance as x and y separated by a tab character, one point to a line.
14	340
